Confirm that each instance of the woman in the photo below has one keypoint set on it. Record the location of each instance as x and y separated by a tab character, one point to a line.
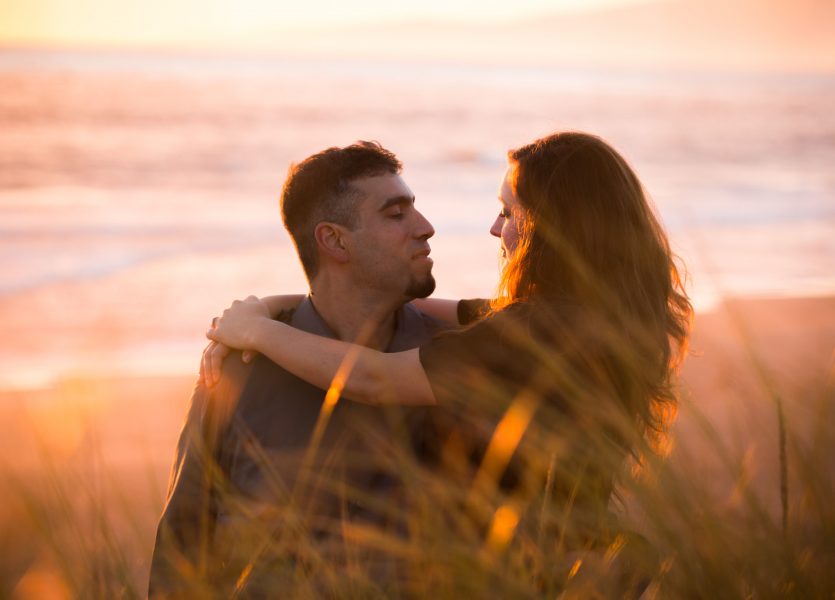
567	372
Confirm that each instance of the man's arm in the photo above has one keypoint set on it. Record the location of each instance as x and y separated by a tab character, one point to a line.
182	551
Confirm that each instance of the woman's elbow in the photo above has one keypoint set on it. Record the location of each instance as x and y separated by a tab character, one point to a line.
412	391
382	391
392	380
373	391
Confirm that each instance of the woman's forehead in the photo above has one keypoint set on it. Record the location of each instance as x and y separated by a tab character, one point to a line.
507	194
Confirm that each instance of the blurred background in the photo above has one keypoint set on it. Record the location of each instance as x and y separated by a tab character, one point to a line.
143	147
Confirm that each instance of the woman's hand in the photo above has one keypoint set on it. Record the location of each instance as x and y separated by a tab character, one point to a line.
211	364
240	323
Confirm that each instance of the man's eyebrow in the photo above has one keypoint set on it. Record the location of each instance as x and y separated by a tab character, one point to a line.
397	200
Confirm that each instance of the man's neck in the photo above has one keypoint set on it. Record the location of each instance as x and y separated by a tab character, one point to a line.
355	314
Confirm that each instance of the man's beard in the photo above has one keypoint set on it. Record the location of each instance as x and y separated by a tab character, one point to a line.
422	288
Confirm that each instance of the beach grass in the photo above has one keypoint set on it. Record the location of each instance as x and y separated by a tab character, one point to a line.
742	507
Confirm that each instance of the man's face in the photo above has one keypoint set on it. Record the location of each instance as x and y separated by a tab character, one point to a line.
389	248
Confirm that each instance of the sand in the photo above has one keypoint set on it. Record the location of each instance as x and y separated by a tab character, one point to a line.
748	360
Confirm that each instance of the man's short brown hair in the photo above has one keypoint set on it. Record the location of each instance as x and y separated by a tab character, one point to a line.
319	189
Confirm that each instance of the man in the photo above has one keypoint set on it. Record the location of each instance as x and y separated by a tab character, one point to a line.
270	477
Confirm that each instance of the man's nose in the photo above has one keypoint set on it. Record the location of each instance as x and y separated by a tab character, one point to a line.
424	227
496	229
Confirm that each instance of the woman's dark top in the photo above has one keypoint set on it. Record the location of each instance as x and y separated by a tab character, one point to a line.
547	363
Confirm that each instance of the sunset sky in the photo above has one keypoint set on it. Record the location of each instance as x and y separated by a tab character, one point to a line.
153	22
778	35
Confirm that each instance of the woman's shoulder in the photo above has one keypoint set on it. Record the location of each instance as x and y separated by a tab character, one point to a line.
537	313
514	328
490	338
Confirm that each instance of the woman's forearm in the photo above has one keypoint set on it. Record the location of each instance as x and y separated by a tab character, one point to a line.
360	373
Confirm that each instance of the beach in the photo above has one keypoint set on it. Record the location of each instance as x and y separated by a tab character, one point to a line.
139	192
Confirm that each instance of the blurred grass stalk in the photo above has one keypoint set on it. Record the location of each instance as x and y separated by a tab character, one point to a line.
696	523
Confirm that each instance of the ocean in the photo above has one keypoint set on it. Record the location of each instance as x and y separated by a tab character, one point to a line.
139	191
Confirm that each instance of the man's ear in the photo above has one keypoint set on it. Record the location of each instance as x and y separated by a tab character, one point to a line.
330	238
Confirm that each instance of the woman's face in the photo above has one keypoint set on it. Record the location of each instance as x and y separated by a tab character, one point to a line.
509	222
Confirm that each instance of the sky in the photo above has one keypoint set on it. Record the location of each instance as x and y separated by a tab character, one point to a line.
755	35
176	22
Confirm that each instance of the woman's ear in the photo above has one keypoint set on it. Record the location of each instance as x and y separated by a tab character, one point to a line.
330	238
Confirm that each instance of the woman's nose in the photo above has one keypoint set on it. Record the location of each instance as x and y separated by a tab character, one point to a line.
496	229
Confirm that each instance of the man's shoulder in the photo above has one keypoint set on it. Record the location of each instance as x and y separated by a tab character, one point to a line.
261	381
212	407
285	316
415	328
433	326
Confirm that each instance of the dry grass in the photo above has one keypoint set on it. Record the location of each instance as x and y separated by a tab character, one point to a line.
733	512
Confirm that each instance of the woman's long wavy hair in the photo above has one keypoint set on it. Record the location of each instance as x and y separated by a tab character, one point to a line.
589	235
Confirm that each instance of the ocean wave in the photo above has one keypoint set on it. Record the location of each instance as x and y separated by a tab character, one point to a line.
100	260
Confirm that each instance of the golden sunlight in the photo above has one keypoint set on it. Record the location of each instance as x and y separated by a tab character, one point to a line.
501	530
225	22
331	399
505	439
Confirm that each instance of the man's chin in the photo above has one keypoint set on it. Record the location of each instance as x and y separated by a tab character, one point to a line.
422	288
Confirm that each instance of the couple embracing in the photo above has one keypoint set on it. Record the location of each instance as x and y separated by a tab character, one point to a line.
375	442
